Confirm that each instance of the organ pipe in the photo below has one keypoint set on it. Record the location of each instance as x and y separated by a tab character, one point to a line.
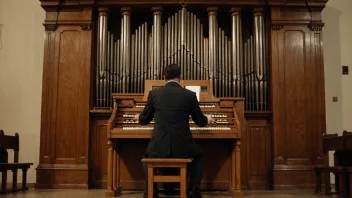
212	13
157	13
127	58
237	70
260	85
101	67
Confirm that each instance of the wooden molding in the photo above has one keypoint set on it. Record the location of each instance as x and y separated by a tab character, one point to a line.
50	26
283	3
86	27
316	26
277	26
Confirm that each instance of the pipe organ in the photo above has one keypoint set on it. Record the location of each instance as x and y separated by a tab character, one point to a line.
236	66
267	52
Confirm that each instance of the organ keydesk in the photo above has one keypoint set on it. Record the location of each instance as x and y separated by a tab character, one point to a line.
228	112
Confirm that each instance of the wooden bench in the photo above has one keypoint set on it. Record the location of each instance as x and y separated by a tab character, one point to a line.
11	142
167	163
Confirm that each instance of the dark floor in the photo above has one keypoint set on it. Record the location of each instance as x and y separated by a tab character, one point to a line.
100	193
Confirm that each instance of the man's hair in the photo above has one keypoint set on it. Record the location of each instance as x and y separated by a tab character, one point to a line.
172	71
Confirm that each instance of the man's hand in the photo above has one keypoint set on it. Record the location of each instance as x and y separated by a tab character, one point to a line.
136	117
211	120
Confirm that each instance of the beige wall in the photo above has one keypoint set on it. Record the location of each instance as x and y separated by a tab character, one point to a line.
337	52
21	65
21	62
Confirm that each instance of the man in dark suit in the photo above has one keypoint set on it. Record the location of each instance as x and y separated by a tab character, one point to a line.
170	106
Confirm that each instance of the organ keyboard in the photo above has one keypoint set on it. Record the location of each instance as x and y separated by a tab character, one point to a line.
126	106
227	111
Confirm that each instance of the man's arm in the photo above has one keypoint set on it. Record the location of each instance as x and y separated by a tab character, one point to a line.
197	115
148	112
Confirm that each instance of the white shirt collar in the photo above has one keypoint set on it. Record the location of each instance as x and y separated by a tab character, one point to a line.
173	81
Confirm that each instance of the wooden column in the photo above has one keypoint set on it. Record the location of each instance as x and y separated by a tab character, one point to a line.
66	92
113	187
297	96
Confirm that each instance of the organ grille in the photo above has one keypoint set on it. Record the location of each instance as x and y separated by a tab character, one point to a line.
236	68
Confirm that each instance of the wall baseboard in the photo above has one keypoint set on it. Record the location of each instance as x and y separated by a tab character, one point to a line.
31	185
19	185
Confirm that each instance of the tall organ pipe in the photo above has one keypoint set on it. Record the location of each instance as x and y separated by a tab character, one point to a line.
213	42
126	17
101	68
259	57
237	67
157	14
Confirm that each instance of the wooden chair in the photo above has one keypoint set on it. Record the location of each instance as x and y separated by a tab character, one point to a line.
330	142
11	142
167	163
349	176
340	174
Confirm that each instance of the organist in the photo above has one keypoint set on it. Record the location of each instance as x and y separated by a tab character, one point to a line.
171	106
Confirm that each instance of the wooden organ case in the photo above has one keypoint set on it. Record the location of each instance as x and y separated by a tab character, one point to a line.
268	52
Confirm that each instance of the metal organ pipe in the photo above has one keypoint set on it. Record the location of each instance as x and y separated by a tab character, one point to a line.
125	62
101	68
259	57
157	13
144	64
126	17
188	46
182	46
237	66
212	13
121	57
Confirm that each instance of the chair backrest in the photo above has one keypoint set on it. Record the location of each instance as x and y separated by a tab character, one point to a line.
9	142
347	139
332	142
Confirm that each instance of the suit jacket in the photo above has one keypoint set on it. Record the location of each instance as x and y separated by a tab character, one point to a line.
170	106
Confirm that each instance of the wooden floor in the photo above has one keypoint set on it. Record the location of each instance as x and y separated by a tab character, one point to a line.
100	194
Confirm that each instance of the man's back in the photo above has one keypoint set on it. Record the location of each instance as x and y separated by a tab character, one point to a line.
172	106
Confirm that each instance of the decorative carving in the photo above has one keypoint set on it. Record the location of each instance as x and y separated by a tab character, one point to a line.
277	26
316	26
86	27
50	27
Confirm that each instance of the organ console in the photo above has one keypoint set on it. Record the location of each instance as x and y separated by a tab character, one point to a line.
121	126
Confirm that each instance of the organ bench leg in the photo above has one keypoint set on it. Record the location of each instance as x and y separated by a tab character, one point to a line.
235	188
113	182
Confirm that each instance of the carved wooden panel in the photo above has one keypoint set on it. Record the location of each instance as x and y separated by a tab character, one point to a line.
66	91
72	92
294	104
